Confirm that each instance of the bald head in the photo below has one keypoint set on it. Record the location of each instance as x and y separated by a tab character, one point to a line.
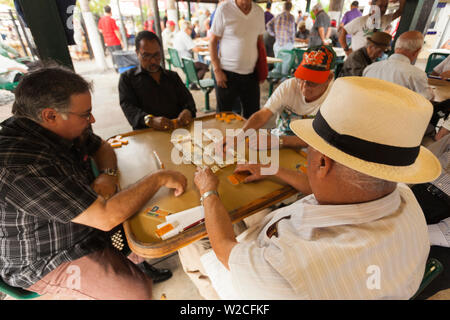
409	44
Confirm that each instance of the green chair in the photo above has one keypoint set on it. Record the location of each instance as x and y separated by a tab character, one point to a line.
433	268
17	293
298	56
177	62
433	60
169	63
206	85
282	70
339	63
10	86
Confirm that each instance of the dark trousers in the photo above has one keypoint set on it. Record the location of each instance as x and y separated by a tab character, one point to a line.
435	208
201	69
241	89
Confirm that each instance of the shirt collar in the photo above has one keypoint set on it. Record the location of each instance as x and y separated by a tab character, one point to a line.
400	57
140	70
314	215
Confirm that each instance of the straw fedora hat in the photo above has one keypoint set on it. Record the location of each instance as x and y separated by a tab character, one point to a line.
374	127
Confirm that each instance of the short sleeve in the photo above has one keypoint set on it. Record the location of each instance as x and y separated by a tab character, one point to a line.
218	25
280	97
354	26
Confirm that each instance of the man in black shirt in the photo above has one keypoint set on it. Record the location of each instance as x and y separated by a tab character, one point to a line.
151	96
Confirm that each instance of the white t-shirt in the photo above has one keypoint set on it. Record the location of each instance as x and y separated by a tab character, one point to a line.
239	34
443	66
183	44
398	69
288	103
167	37
360	29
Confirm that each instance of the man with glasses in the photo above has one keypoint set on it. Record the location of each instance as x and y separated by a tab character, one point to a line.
55	213
151	96
297	98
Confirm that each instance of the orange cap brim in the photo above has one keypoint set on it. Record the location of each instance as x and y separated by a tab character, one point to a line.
311	75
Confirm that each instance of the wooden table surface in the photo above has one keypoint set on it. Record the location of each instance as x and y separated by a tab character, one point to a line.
136	160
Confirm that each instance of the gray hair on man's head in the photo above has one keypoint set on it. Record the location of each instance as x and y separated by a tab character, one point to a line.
186	24
409	41
360	180
48	85
317	6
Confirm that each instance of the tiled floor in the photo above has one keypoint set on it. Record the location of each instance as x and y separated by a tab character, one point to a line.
111	121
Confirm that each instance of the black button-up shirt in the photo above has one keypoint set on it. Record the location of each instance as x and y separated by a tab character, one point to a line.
44	184
141	95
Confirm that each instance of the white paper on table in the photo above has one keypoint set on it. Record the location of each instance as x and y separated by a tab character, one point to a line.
185	218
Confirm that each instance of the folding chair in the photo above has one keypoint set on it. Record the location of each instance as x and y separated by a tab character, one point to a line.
206	85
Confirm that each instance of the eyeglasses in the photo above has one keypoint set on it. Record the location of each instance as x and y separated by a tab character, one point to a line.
148	56
88	116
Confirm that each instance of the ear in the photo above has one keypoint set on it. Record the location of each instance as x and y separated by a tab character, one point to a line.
325	164
49	116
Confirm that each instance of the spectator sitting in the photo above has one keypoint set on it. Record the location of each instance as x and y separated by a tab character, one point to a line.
185	46
358	60
302	34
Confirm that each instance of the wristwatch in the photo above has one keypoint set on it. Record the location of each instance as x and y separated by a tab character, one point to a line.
207	194
147	119
110	172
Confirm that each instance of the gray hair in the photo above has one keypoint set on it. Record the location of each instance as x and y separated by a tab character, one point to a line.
360	180
47	87
186	24
317	6
410	44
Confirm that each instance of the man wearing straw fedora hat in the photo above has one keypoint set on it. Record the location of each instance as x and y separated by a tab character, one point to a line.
361	233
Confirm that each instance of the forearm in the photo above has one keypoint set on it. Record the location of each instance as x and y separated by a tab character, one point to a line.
296	179
343	39
214	54
258	119
322	34
219	227
106	214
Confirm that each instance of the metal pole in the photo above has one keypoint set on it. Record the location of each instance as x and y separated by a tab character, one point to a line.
18	33
94	37
189	9
142	13
158	27
33	53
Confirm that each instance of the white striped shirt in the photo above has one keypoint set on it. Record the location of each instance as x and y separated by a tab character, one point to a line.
372	250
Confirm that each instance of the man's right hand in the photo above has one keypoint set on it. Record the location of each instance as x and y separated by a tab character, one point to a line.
161	123
173	180
221	78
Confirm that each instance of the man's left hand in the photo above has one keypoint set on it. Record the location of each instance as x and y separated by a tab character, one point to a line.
185	117
105	185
